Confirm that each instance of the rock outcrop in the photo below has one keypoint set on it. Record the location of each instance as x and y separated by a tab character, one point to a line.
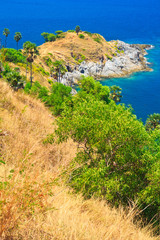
130	58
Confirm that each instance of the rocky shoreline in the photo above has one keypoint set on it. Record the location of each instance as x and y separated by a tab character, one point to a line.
131	58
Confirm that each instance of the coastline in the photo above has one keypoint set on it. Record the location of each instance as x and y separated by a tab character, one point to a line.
131	59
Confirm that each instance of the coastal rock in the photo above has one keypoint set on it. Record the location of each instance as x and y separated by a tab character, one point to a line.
130	58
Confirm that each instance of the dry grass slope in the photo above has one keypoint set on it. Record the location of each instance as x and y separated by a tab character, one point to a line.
32	206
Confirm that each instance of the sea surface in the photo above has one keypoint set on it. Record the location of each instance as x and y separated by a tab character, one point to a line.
130	21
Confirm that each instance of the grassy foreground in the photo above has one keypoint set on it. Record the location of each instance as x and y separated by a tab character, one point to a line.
32	205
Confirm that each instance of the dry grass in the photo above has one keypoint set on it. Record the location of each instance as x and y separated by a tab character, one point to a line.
32	206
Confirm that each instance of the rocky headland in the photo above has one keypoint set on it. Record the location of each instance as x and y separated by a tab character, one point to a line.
132	60
92	55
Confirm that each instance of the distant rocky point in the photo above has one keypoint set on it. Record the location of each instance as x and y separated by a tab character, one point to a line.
93	56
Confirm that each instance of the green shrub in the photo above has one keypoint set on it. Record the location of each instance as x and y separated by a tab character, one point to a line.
59	98
49	37
13	77
71	31
98	40
41	70
81	36
109	57
12	55
59	32
89	33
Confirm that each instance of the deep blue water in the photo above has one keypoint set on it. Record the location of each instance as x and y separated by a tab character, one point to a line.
131	21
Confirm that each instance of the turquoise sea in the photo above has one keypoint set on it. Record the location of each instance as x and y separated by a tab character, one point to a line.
131	21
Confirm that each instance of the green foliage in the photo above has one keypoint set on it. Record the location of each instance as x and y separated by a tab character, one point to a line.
81	36
71	31
109	57
12	55
153	121
59	32
59	98
59	64
77	29
97	39
88	86
89	33
49	139
49	37
13	77
17	37
115	93
118	160
113	161
37	90
6	32
42	71
48	61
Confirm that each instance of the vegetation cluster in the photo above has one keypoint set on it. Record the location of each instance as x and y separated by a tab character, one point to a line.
117	158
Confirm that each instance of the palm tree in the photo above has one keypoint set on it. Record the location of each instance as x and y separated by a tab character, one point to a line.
6	32
17	37
77	29
30	49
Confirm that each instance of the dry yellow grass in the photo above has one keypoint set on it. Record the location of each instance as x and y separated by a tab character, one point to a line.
28	210
92	50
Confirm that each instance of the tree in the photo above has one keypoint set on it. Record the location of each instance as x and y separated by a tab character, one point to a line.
115	93
88	86
6	32
30	49
17	37
113	158
153	121
77	29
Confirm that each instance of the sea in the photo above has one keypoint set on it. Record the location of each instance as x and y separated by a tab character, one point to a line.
132	21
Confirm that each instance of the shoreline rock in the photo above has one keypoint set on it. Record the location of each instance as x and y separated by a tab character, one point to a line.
129	59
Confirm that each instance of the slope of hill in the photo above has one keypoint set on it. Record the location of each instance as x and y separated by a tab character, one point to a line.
32	204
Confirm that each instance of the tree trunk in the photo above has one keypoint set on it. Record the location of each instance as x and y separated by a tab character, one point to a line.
31	74
5	42
17	46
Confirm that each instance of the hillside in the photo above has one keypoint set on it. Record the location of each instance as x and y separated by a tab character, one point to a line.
33	205
71	48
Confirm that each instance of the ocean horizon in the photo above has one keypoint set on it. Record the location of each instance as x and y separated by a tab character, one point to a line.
132	22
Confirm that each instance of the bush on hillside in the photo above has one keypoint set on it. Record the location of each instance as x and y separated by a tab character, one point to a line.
12	55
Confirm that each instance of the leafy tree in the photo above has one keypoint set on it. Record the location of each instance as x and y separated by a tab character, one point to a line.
115	93
6	32
17	37
77	29
88	86
30	49
114	160
153	121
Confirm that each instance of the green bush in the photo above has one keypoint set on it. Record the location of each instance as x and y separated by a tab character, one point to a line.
59	98
59	32
12	55
81	36
71	31
98	40
49	37
13	77
89	33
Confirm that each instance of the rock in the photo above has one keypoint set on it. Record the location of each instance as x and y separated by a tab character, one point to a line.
129	59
